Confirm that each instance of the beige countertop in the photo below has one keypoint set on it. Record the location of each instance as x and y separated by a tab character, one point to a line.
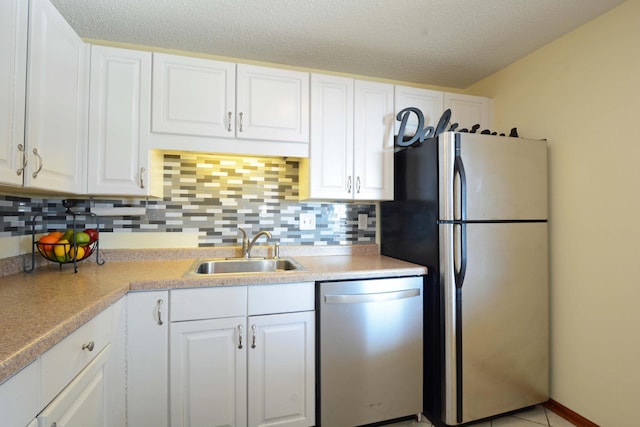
40	309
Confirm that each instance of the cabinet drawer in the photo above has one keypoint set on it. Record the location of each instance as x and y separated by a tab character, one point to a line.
282	298
66	359
207	303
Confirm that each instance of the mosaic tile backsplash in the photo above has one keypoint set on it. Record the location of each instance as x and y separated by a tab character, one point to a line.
211	196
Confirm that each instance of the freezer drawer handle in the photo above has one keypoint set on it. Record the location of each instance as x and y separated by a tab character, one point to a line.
371	297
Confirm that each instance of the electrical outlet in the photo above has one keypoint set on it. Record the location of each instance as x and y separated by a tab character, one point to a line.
362	221
307	221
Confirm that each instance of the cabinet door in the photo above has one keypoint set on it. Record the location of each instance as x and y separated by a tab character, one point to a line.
193	96
430	102
147	359
272	104
208	372
373	141
57	90
282	370
329	167
84	402
119	122
468	110
13	73
19	401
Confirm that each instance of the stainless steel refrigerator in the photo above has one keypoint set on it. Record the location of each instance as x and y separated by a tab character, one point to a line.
473	209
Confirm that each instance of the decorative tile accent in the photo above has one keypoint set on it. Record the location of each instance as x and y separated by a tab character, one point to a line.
210	195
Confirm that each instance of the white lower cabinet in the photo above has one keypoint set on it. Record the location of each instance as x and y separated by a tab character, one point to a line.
208	372
147	359
281	370
19	396
84	402
250	368
79	382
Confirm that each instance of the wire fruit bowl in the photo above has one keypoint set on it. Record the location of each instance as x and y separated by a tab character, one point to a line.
65	252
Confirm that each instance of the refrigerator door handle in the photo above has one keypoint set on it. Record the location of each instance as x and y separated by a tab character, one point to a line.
460	238
458	171
460	253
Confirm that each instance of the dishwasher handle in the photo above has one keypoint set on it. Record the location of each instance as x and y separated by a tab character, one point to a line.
371	297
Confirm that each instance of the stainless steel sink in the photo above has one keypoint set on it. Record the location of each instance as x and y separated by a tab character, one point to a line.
242	265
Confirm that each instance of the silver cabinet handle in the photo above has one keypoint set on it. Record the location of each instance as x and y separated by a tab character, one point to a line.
159	312
240	337
349	184
35	152
253	336
142	171
241	122
24	159
229	124
358	185
88	346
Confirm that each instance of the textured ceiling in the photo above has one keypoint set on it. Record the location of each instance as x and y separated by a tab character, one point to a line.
450	43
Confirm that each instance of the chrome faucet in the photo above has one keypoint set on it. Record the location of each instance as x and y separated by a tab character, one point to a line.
246	245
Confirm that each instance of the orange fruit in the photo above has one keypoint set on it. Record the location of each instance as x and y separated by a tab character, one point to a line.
56	234
45	240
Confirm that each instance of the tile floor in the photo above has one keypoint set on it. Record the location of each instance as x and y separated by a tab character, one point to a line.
536	416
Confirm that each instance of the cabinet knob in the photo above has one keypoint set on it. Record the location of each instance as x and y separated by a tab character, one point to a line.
88	346
230	115
358	185
241	122
349	184
240	337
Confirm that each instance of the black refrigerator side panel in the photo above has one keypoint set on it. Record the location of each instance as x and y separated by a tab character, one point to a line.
409	231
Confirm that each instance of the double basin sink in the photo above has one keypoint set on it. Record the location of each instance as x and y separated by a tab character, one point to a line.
242	266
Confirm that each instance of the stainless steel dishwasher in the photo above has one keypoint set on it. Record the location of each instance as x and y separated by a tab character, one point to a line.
370	350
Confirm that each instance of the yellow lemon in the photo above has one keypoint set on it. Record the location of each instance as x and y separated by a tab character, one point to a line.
61	249
78	254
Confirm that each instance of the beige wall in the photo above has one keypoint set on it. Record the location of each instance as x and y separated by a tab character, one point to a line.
582	93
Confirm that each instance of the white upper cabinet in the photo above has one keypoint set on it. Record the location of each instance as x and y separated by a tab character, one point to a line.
351	148
325	174
468	110
430	102
57	91
193	96
373	141
120	161
272	104
13	73
221	107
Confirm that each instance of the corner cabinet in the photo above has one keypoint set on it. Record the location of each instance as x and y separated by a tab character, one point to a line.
351	143
216	106
120	161
13	73
80	381
243	356
57	96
